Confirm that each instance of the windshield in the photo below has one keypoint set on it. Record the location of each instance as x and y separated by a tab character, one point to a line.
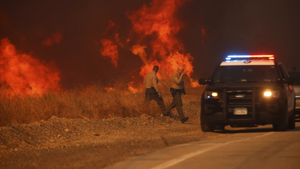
235	74
296	76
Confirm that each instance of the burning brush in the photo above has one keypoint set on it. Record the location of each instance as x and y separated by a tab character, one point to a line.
159	22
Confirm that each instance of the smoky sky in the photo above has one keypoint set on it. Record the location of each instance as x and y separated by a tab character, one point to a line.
232	27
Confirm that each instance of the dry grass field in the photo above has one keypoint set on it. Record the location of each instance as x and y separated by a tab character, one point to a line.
92	102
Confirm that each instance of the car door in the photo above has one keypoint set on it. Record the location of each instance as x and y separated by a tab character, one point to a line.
288	88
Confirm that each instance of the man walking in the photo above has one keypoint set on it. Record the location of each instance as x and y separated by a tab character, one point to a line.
152	90
177	88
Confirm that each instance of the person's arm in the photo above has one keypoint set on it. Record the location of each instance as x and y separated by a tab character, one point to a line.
176	79
154	82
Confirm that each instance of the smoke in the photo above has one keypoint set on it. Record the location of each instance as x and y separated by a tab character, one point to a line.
4	22
54	38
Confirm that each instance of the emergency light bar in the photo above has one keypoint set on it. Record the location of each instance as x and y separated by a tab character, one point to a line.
238	57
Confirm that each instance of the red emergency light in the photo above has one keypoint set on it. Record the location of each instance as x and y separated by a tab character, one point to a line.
230	57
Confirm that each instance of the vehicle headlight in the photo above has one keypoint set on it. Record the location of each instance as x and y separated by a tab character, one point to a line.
270	93
209	95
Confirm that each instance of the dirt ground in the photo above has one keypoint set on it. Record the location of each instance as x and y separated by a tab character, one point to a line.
84	143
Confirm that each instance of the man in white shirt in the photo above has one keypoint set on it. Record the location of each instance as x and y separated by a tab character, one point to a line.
152	90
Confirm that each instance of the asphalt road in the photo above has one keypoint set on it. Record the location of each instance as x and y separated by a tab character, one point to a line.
259	148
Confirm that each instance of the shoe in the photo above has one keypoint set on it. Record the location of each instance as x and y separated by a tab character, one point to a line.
167	114
184	119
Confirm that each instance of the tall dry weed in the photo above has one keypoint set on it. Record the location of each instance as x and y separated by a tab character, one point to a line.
91	102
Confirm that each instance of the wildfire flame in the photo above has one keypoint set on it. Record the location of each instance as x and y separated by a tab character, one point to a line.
159	21
110	50
133	89
140	51
109	89
23	74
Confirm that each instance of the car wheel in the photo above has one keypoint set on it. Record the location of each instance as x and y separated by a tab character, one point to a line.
220	127
292	122
283	125
205	127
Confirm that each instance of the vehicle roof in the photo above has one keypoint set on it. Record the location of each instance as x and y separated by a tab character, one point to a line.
247	63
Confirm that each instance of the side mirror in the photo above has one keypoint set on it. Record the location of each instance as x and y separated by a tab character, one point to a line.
204	81
290	80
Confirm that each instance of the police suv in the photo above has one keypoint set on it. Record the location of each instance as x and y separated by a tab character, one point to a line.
247	91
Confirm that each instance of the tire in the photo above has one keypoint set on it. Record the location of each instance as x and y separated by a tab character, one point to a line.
205	127
283	125
220	127
292	122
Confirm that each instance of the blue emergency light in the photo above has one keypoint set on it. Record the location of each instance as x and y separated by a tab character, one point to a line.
239	57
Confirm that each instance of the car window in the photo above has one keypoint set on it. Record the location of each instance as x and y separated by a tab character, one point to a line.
235	74
283	71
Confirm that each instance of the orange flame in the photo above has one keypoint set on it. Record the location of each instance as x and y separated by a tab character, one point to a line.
110	50
132	89
54	38
159	22
140	51
109	89
24	74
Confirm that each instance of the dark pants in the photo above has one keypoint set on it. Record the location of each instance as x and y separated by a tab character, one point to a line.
151	94
177	102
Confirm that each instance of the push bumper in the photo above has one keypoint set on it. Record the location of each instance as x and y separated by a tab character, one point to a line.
259	111
262	118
